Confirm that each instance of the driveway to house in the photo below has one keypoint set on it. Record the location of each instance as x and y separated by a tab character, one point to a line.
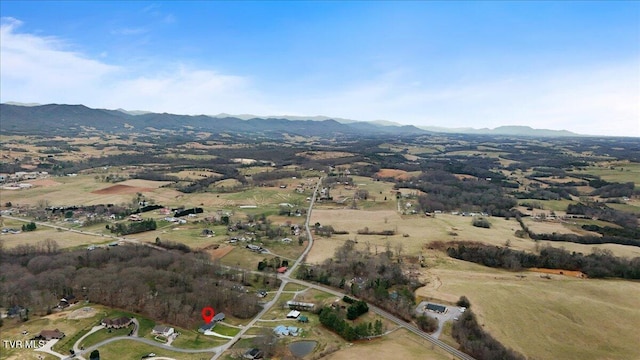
148	342
76	347
451	314
46	348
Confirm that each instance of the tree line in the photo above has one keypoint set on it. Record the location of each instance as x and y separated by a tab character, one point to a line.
476	342
624	236
368	276
598	264
166	286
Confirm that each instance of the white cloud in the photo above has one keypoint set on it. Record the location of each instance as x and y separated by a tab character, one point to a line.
33	67
603	100
43	69
592	100
129	31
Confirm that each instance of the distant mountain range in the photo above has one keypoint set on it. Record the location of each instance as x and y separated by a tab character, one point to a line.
69	119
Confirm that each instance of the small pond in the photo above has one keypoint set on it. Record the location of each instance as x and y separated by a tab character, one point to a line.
302	348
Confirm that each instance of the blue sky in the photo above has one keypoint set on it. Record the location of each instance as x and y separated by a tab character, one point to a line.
558	65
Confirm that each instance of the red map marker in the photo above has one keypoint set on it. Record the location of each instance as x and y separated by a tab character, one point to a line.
207	314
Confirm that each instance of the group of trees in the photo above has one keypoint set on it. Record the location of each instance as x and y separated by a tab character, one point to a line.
166	286
446	192
356	308
476	342
29	226
482	222
599	264
133	227
334	320
603	212
376	278
427	323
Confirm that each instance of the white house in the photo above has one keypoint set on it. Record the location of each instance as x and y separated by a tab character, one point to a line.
165	331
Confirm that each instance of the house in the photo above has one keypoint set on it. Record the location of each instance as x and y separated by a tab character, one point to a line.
440	309
117	323
16	310
254	247
287	240
282	270
165	331
253	354
207	232
206	327
67	301
50	334
293	314
282	330
218	317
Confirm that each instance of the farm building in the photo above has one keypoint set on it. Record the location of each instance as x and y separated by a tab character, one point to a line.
253	354
440	309
296	305
293	314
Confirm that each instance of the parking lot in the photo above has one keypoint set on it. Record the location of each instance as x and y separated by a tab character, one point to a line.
451	313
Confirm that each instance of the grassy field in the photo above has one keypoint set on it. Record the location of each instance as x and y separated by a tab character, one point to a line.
136	350
561	318
104	334
12	330
222	329
191	339
422	230
630	207
65	239
398	345
616	172
555	205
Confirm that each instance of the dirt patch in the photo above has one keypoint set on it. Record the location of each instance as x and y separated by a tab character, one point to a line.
323	155
145	183
44	182
399	345
393	173
121	189
220	252
570	273
465	177
83	313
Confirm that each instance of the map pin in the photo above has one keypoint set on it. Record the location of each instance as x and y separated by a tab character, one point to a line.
207	314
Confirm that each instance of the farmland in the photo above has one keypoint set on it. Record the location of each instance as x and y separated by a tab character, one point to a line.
560	317
405	203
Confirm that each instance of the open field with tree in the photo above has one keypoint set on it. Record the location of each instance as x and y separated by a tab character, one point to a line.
561	317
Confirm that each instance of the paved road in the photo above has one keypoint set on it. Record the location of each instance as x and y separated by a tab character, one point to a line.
284	279
106	237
